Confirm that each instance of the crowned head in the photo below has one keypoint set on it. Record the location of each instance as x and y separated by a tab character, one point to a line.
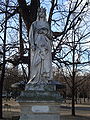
41	13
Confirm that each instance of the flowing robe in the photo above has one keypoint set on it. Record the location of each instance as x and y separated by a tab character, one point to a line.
41	45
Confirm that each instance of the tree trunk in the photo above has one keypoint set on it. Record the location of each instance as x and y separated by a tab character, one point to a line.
20	37
29	13
1	85
84	98
73	102
0	100
3	66
73	73
76	97
73	91
29	62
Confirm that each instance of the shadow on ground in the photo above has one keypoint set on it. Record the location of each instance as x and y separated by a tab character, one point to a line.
77	117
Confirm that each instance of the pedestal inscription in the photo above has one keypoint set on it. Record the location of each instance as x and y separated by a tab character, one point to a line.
40	109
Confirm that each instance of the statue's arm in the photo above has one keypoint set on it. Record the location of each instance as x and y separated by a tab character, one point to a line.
49	34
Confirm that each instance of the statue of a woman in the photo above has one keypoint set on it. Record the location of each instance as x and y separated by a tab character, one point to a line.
40	37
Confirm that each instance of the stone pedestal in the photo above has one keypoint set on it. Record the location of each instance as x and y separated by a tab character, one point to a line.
39	111
40	103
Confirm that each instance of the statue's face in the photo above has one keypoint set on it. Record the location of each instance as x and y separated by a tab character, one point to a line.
42	13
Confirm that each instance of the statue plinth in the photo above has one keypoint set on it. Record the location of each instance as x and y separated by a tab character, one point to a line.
40	102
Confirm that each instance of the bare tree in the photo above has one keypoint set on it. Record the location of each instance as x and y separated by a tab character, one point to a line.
70	27
4	62
71	49
14	49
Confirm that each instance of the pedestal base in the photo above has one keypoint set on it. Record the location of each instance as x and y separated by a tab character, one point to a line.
40	102
39	111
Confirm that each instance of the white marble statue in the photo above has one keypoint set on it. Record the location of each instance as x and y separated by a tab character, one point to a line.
40	37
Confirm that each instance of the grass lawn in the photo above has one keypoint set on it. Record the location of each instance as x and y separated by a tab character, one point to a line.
12	109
